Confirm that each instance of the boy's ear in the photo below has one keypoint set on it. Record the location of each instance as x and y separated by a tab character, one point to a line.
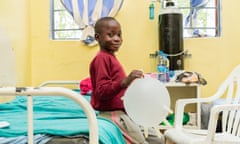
96	36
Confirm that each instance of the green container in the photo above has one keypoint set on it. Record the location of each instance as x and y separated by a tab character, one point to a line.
171	117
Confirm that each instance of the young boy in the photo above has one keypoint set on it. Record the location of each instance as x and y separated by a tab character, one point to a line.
109	82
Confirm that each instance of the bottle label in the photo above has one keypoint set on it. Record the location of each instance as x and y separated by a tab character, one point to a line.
163	77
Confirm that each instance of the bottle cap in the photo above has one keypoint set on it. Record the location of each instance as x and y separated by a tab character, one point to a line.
169	4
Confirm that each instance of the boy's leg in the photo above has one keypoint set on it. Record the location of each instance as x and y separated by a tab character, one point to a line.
131	131
153	137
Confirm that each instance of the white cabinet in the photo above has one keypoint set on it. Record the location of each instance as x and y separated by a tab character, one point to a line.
182	91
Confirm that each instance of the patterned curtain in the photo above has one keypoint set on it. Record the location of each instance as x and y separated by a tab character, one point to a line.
87	12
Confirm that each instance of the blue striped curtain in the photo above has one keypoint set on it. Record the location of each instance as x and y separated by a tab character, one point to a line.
87	12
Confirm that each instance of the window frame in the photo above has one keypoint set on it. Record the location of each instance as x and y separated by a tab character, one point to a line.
53	30
217	27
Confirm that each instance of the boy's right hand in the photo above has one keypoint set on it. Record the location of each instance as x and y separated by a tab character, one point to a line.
132	76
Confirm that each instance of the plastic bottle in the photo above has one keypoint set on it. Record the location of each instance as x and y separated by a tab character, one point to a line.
163	67
151	11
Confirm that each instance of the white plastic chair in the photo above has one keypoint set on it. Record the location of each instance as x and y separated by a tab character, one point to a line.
230	90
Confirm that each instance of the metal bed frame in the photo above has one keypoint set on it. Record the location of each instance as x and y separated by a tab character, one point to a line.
54	91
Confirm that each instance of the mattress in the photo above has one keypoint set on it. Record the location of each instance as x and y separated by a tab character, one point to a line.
56	119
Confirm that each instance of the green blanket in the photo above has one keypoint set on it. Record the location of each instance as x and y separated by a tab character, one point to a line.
54	115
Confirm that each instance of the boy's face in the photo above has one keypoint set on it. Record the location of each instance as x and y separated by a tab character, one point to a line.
109	36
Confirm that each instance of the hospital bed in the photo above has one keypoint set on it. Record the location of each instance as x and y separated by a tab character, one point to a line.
53	112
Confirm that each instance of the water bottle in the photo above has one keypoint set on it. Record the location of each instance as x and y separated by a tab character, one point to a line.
163	67
151	11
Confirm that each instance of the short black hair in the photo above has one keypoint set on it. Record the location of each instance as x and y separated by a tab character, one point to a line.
100	22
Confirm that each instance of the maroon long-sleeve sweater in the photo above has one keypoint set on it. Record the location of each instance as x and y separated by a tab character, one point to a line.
106	74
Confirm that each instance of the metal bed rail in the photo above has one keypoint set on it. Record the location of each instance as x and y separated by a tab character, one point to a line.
54	91
60	82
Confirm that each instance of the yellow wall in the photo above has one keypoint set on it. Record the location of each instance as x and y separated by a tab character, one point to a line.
14	21
40	59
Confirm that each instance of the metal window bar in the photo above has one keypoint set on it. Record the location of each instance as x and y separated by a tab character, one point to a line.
52	35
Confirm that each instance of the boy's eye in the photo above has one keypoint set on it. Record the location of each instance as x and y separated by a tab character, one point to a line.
111	34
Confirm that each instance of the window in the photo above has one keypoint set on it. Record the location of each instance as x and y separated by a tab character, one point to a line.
85	13
63	26
201	18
